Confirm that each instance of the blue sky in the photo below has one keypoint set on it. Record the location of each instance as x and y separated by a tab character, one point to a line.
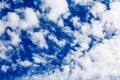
59	39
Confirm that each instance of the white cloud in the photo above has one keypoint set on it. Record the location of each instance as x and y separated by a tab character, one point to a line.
38	59
97	28
39	39
31	19
26	63
3	5
13	20
4	68
2	51
97	9
2	27
83	2
61	43
108	18
76	21
106	55
57	8
15	39
60	22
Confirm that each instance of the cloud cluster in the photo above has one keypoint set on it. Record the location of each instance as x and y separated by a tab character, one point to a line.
79	50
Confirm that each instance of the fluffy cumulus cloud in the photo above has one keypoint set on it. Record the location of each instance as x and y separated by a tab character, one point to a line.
57	8
59	40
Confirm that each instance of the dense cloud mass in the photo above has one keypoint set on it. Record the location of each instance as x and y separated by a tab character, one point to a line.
60	40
